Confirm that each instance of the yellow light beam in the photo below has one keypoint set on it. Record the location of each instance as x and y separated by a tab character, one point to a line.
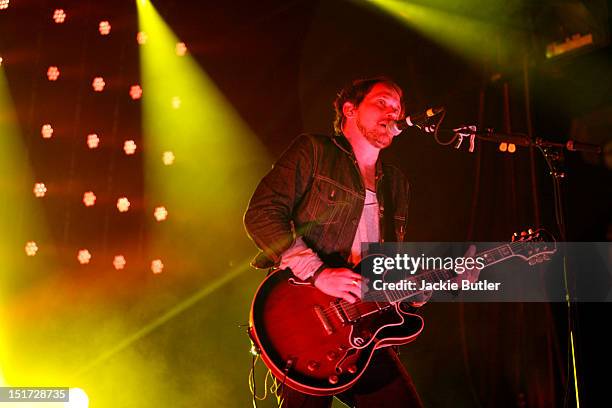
218	160
471	37
161	320
21	218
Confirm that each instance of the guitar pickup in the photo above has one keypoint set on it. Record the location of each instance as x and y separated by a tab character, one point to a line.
323	319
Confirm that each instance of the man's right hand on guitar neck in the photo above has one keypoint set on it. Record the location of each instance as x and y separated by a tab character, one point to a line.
339	282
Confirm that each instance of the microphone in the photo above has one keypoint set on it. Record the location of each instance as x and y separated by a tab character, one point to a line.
574	146
396	127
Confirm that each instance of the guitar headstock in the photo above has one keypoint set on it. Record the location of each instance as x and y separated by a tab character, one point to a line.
533	246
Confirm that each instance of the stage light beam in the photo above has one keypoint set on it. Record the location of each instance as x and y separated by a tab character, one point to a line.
77	399
474	29
185	115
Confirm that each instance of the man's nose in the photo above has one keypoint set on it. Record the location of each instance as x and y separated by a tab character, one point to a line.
392	114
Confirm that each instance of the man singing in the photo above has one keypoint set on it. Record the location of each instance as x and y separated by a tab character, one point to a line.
321	200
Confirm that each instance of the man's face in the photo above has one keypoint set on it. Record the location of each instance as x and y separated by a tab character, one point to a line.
379	106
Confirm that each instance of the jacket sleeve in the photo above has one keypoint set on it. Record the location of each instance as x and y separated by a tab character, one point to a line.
268	218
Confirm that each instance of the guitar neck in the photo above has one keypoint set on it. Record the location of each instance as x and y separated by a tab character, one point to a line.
489	257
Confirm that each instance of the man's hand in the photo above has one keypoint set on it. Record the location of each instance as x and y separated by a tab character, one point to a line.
420	299
340	282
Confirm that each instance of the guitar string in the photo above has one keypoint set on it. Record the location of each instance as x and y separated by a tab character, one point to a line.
332	310
340	308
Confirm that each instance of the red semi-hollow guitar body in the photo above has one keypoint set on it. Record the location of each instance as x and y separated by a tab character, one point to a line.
318	344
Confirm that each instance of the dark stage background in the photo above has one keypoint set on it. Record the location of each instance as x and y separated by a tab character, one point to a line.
132	338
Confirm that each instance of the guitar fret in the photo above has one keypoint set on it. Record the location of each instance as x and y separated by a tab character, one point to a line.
490	256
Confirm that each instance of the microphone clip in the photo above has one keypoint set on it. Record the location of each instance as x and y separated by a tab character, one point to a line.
462	132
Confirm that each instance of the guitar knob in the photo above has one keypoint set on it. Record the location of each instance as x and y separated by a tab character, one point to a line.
333	379
313	366
352	369
332	355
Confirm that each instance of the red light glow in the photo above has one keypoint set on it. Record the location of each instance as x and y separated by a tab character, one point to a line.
53	73
98	84
89	198
93	141
157	266
119	262
46	131
39	190
31	248
123	204
59	16
84	256
135	92
104	28
160	213
129	147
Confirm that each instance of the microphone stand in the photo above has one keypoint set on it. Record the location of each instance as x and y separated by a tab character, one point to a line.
518	139
553	154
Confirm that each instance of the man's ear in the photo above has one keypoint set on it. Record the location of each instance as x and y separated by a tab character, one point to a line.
348	109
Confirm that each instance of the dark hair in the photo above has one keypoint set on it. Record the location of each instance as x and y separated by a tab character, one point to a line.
356	91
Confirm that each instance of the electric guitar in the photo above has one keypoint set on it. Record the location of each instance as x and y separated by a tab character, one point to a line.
321	345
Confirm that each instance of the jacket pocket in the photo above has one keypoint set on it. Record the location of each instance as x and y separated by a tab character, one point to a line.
327	202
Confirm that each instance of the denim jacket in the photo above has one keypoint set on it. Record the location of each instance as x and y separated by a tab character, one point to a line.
315	190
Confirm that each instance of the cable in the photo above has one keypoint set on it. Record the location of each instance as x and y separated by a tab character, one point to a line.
436	128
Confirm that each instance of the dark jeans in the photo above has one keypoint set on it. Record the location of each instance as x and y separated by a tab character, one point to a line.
385	384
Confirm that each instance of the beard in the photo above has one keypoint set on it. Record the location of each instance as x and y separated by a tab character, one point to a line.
377	137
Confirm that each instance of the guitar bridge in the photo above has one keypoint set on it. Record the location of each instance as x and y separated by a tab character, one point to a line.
323	319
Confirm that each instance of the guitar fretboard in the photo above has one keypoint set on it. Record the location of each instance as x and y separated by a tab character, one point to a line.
489	257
